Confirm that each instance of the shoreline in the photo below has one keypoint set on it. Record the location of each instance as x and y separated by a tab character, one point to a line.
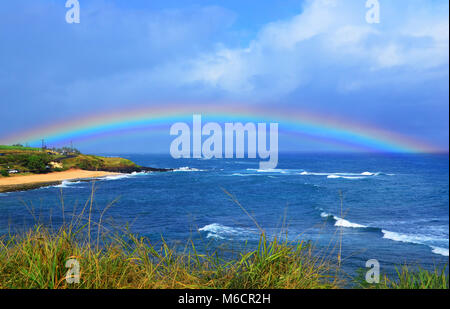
29	182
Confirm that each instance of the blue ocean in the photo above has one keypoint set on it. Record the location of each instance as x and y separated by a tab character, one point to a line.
390	207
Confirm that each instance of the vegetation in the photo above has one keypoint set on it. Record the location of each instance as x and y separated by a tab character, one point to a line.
18	147
96	163
36	160
37	163
412	278
37	260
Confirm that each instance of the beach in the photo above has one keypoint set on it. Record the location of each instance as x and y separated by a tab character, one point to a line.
15	183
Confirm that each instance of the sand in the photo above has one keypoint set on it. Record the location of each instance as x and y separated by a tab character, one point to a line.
15	183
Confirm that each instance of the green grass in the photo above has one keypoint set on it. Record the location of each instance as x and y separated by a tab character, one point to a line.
37	260
416	278
4	147
18	158
90	162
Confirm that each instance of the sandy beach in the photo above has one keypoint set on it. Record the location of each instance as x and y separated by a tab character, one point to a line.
15	183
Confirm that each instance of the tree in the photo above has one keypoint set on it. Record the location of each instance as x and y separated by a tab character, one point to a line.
36	164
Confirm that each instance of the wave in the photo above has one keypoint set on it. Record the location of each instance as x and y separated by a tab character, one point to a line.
243	175
439	250
219	231
116	177
124	176
270	170
362	175
342	222
187	169
66	184
345	177
413	239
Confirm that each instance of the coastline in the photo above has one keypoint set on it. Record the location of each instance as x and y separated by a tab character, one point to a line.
28	182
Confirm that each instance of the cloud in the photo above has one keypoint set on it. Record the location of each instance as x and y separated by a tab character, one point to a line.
287	55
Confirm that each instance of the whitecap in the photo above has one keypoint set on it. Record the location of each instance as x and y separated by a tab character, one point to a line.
116	177
66	184
415	239
345	223
336	175
187	169
342	222
439	250
333	176
219	231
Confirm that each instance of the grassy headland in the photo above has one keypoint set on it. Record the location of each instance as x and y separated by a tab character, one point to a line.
34	160
17	161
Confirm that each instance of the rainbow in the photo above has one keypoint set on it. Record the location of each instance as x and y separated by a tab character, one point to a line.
291	121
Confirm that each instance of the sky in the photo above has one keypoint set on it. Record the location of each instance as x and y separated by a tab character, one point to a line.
321	56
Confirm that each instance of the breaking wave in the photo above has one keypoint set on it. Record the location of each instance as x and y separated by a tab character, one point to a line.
363	175
342	222
219	231
394	236
415	239
187	169
67	184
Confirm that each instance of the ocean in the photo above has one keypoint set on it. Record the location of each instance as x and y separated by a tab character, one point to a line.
390	207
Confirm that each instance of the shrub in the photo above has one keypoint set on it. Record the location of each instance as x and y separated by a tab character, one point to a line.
4	173
37	163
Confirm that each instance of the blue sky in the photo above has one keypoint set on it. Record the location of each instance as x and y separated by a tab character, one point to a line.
319	55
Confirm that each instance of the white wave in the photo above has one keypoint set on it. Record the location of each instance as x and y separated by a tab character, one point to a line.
116	177
187	169
219	231
140	173
66	184
325	215
270	170
362	175
344	177
439	250
333	176
370	174
342	222
305	173
244	175
415	239
345	223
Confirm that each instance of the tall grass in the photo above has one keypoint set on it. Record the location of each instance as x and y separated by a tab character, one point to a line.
37	260
415	278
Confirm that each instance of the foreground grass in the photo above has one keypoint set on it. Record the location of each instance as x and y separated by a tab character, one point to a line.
38	258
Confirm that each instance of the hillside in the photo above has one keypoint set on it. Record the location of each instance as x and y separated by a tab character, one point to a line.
25	160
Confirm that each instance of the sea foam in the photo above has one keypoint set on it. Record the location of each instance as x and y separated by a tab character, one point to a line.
342	222
219	231
187	169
